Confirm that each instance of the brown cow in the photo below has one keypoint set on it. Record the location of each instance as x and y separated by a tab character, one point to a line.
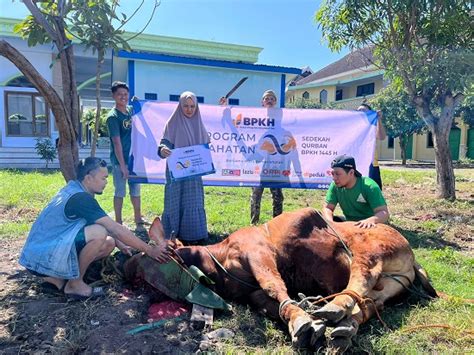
297	252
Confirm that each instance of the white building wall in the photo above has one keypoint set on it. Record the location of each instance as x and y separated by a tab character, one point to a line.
166	79
40	57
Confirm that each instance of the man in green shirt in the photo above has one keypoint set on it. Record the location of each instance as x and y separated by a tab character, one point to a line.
119	123
360	198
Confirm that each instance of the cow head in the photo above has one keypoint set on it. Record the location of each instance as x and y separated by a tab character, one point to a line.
157	234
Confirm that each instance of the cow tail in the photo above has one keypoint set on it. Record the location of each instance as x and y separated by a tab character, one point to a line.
422	276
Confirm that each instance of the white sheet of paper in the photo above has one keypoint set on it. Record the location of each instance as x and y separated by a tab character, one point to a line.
190	162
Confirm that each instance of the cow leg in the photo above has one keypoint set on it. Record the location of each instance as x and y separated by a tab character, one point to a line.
386	289
362	280
304	331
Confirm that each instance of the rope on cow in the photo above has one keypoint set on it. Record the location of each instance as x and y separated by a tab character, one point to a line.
410	288
308	304
235	278
361	302
283	304
348	251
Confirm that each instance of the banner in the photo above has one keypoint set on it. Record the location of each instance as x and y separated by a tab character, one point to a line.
253	146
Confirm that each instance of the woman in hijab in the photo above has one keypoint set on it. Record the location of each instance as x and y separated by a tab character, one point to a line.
184	216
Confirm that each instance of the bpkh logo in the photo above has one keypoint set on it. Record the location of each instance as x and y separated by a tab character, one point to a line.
183	165
272	146
240	120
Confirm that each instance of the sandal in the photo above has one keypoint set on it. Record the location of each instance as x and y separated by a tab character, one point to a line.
96	293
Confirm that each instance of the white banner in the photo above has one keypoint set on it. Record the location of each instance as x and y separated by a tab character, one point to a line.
259	147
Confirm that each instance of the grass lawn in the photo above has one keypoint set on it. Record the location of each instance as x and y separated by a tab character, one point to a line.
440	232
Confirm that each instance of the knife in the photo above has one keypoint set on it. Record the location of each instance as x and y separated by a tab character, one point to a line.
236	86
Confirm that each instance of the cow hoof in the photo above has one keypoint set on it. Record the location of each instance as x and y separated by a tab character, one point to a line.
340	344
346	328
318	328
330	312
301	332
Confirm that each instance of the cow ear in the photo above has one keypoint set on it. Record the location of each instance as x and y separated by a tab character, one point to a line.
156	232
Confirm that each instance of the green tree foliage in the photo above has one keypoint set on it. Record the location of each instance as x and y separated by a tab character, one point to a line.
97	25
424	44
89	118
94	23
466	110
399	115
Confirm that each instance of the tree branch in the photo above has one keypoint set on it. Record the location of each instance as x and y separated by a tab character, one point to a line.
39	17
148	22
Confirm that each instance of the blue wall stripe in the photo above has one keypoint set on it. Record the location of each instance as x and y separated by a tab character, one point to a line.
282	90
207	62
131	77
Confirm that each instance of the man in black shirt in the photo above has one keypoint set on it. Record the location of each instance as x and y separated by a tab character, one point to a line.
73	231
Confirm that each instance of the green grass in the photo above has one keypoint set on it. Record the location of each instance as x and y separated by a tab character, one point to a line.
439	231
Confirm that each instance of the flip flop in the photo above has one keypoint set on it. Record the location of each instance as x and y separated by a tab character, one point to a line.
49	288
96	293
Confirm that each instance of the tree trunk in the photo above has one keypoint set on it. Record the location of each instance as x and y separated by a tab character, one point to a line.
444	166
68	153
68	76
440	128
403	149
98	104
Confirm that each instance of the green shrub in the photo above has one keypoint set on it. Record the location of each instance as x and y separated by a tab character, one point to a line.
45	149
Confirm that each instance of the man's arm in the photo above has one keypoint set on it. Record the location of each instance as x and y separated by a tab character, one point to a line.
159	252
118	153
381	134
381	215
328	211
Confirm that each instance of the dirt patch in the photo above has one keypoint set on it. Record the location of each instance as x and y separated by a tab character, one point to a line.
13	214
34	321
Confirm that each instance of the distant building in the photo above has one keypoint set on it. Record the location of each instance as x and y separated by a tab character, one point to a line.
353	79
159	68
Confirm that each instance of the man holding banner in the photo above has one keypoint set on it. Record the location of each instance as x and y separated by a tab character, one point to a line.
269	101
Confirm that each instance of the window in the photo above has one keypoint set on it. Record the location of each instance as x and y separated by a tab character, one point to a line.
429	140
151	96
234	102
323	97
338	94
390	142
306	95
175	98
367	89
26	115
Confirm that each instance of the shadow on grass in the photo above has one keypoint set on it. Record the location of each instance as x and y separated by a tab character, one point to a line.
394	315
425	240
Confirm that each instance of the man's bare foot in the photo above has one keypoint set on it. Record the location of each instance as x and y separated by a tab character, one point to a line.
59	283
77	287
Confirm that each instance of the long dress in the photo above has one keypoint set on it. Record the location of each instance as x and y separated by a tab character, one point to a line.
184	215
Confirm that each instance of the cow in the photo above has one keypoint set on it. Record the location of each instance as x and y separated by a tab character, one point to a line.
301	253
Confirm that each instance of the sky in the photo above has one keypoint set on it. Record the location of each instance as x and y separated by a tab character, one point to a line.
285	29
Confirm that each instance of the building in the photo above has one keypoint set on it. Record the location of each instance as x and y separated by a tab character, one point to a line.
353	79
158	68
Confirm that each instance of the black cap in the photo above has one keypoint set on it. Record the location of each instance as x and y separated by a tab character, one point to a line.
345	161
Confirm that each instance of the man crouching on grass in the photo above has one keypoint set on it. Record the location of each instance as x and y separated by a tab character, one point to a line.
73	231
360	198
